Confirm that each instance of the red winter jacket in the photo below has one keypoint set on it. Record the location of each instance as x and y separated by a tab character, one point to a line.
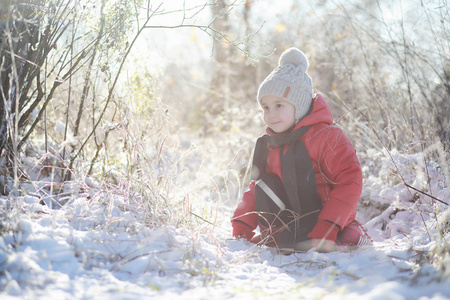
337	168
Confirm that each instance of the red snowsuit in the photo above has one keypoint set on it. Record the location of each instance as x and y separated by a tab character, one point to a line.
337	169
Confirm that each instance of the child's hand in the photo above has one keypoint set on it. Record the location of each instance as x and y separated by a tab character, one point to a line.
324	235
242	230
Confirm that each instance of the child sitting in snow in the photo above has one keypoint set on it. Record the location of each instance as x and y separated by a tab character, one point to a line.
307	179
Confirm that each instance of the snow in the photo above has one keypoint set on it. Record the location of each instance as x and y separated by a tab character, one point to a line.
101	245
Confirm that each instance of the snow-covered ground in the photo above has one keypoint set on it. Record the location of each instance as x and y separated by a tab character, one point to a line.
100	246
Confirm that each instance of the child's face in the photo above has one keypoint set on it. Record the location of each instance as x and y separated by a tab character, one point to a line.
278	113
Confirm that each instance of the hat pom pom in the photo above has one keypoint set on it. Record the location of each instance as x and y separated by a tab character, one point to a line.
295	57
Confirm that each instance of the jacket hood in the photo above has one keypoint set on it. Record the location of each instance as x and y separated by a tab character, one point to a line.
320	113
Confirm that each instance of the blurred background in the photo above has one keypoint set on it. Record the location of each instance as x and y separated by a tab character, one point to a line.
157	98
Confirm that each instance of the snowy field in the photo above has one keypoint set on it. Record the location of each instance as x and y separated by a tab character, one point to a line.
99	246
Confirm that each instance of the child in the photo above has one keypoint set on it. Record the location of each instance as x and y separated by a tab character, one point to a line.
294	209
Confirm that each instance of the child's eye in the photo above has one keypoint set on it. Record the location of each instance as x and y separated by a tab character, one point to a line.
279	105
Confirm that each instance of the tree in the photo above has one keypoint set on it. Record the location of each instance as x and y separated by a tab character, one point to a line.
69	55
29	35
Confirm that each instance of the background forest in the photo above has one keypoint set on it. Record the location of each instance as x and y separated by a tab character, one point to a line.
155	100
103	88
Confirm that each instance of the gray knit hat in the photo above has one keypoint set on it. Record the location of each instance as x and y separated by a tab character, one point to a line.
290	82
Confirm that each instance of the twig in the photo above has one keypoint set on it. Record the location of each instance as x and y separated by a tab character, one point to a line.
111	90
426	194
